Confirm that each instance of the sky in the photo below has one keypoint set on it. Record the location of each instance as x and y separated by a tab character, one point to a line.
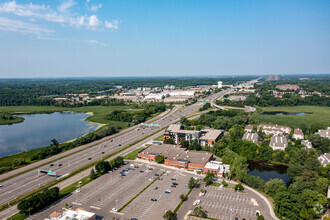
115	38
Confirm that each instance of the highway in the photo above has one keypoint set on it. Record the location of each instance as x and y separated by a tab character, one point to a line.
19	185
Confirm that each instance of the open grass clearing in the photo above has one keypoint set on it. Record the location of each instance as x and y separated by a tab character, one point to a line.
132	155
318	114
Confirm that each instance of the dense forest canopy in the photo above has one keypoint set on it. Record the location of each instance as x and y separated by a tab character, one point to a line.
31	91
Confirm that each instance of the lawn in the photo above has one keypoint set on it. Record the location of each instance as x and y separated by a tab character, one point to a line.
132	155
318	114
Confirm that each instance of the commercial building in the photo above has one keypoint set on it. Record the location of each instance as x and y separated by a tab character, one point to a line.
176	156
298	134
72	214
182	93
324	159
217	168
278	142
251	137
205	137
287	87
275	129
324	133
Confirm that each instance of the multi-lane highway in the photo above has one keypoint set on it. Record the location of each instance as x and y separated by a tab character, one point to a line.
26	182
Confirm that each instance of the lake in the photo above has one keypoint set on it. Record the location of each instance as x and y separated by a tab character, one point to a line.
286	113
39	129
268	172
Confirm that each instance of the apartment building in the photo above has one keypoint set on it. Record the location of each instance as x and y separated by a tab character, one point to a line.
278	142
324	133
324	159
274	129
298	134
251	137
249	128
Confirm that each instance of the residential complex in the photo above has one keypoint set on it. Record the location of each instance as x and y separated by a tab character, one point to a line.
251	137
249	128
324	159
205	137
324	133
278	142
298	134
274	129
287	87
307	143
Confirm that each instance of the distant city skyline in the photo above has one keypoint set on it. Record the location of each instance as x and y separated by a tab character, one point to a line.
97	38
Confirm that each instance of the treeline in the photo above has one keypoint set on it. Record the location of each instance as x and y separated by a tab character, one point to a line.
6	117
137	116
37	202
287	100
227	102
103	167
15	92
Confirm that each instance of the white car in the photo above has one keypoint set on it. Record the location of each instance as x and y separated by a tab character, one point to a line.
114	209
78	190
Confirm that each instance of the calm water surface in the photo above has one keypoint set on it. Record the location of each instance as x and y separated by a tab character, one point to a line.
285	113
267	173
39	129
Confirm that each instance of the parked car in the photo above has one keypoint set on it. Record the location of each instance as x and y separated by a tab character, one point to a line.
160	178
89	158
102	152
60	165
156	174
150	169
174	183
114	209
173	179
119	145
141	171
51	165
168	191
174	186
153	199
156	188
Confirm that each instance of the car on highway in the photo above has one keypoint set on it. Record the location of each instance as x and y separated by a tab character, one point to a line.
51	165
89	158
153	199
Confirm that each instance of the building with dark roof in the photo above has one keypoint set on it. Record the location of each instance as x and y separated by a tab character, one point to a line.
298	134
251	137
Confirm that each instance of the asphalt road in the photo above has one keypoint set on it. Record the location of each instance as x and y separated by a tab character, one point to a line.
19	185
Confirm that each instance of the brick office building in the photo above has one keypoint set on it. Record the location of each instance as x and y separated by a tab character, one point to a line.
176	156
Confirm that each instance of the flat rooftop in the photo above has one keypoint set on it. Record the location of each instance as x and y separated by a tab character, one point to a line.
177	153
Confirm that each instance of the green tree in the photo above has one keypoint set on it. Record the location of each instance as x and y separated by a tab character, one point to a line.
185	144
182	197
260	217
208	179
185	121
159	158
168	215
191	183
102	167
272	186
239	187
169	141
198	211
224	183
92	174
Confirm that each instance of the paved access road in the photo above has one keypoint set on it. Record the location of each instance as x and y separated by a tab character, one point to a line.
31	180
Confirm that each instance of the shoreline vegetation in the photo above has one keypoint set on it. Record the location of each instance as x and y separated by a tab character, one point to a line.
97	115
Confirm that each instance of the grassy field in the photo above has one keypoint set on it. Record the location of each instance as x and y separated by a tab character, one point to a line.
15	119
132	155
318	114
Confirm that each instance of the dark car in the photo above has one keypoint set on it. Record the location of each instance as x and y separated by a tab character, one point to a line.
174	183
89	158
156	174
133	218
160	178
60	165
102	152
174	186
156	187
51	165
141	171
153	199
173	179
123	174
119	145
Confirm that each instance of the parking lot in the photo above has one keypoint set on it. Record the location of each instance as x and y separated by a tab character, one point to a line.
143	208
226	204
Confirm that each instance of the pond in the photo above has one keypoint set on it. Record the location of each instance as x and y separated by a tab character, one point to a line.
39	129
286	113
266	172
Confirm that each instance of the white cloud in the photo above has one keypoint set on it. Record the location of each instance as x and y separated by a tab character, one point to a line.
61	15
93	21
94	8
22	27
113	25
66	5
73	40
